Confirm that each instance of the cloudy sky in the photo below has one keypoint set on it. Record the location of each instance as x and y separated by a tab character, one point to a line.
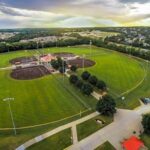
73	13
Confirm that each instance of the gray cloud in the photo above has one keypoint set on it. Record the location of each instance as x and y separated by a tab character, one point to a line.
133	1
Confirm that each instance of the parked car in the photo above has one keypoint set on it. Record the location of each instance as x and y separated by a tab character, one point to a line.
145	100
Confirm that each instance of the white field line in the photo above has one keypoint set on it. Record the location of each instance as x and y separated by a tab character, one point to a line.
44	124
136	86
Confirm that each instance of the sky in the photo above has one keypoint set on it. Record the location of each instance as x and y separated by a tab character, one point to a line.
73	13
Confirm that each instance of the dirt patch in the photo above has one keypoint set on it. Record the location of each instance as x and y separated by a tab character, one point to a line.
79	62
23	60
29	73
64	54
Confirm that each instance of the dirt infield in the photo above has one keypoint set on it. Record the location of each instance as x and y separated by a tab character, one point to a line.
64	54
29	73
79	62
22	60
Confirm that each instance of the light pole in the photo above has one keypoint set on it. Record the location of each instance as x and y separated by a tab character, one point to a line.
38	55
56	42
83	62
11	114
91	47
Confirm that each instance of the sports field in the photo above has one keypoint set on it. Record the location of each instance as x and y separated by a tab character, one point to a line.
51	98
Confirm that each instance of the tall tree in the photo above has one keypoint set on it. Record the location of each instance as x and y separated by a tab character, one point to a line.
85	75
106	106
146	123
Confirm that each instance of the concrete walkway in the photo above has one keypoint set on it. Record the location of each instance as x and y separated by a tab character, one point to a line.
56	130
74	134
125	123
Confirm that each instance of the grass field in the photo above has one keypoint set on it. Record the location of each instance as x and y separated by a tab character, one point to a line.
38	101
105	146
90	126
146	139
51	99
58	141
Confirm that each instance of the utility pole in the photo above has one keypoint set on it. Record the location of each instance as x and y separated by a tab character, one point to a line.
11	114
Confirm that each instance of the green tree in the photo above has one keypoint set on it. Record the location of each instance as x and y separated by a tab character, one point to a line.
55	64
146	123
87	89
73	68
101	85
93	80
73	79
62	69
79	84
106	106
85	75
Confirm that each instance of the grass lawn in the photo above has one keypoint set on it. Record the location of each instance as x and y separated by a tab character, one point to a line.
146	139
50	98
105	146
39	101
90	126
58	141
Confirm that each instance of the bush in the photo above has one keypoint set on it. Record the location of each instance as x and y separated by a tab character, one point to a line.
146	123
62	70
55	64
93	80
106	106
73	79
85	75
73	68
101	85
79	84
87	89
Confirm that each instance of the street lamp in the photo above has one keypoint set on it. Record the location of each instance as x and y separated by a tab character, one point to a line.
11	114
91	47
83	62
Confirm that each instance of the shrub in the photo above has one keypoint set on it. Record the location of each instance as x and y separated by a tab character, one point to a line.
73	68
101	85
146	123
79	84
73	79
85	75
62	69
87	89
93	80
106	106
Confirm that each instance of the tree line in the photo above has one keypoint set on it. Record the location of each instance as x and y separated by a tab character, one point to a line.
6	47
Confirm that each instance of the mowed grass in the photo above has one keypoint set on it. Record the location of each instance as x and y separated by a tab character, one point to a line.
90	126
105	146
146	139
58	141
38	101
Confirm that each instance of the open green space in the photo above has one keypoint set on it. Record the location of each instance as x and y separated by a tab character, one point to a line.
51	98
39	101
146	139
58	141
90	126
105	146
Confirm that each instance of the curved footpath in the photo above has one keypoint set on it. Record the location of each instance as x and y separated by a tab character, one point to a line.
125	122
